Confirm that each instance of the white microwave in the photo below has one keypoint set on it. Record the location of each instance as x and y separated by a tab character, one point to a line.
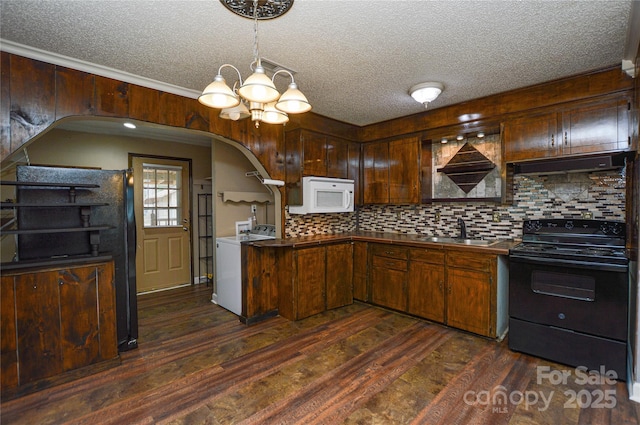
324	195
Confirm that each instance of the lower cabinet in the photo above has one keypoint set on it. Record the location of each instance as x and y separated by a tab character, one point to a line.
456	287
339	277
389	265
321	279
310	280
360	274
426	284
56	320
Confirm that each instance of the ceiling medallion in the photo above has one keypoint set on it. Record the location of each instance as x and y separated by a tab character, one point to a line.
267	9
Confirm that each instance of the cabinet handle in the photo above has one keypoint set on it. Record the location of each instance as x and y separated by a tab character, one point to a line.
441	285
565	138
553	142
449	289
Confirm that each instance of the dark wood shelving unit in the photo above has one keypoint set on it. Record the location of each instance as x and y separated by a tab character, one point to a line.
83	207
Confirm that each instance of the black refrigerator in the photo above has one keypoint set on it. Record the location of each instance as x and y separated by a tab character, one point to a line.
114	194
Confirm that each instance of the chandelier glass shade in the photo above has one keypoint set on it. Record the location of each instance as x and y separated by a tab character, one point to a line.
258	91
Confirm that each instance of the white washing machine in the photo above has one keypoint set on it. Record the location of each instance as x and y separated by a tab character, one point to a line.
229	269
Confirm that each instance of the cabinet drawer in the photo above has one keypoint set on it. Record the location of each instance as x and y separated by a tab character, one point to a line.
389	263
465	261
391	251
432	256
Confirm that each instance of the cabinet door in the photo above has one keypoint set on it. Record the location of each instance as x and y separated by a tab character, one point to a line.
404	167
531	137
314	158
596	128
388	282
375	173
311	278
339	275
293	168
353	170
266	272
469	300
360	289
8	344
79	330
38	326
426	290
337	157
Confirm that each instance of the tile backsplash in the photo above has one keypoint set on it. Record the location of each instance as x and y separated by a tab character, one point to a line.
598	195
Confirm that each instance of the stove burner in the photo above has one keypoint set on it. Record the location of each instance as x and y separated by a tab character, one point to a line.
584	241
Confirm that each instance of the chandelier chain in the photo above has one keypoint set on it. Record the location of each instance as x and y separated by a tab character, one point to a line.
256	53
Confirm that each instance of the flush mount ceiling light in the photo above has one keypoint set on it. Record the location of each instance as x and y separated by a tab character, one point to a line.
426	92
258	91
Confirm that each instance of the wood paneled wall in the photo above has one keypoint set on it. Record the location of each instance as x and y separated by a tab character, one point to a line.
35	94
497	107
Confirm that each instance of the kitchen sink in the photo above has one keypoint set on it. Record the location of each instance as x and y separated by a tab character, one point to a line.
458	241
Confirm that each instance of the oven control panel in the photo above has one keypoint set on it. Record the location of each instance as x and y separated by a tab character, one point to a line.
575	226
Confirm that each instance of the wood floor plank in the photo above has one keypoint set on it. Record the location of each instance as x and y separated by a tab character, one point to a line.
197	364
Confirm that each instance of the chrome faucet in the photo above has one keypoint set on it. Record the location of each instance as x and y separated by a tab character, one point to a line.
463	229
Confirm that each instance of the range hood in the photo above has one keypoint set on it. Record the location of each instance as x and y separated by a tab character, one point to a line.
572	164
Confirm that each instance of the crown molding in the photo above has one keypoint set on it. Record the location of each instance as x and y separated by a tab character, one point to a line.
92	68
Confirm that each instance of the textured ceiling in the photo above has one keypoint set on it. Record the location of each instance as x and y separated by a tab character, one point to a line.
355	60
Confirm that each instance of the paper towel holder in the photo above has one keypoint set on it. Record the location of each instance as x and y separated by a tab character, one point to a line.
266	182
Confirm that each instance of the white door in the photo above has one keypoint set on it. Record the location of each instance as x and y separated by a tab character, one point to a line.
163	230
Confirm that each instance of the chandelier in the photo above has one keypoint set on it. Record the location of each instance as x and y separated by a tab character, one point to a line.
257	96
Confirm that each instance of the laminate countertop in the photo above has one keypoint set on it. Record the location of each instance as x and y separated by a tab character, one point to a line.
498	247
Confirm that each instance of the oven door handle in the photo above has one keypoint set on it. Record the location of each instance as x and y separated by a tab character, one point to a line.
566	263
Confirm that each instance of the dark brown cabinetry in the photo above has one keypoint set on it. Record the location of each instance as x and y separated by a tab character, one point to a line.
457	286
339	279
319	278
425	288
375	173
582	129
360	291
391	171
315	154
404	171
451	286
389	266
262	269
309	282
471	292
56	320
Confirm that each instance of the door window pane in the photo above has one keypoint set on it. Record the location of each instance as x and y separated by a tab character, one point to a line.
162	193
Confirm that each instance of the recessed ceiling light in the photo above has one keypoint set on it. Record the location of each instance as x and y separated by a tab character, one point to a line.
481	135
129	125
460	137
444	140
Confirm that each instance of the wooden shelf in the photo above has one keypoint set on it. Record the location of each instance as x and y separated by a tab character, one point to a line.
56	230
5	205
50	185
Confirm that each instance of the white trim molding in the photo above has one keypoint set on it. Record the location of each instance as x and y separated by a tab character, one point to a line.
92	68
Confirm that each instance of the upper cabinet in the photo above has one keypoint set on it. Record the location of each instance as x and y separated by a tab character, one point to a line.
391	171
375	173
581	129
316	154
309	153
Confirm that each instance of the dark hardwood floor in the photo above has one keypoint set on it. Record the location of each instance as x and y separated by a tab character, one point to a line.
196	364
